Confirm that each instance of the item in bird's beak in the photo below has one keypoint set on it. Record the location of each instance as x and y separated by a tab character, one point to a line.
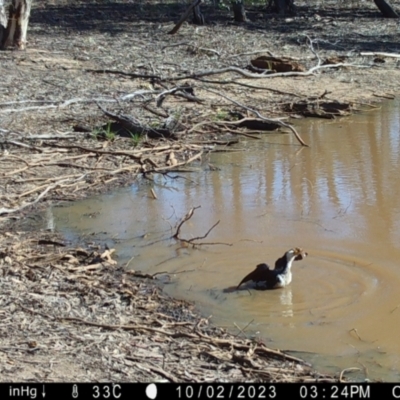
301	254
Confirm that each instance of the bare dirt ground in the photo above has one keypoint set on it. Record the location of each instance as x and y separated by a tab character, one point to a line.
102	95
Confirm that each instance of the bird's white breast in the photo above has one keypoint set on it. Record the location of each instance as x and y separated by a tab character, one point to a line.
284	280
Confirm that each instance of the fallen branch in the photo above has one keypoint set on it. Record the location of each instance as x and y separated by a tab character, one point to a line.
131	154
385	96
220	71
259	350
157	370
67	135
271	120
173	167
133	126
59	104
79	100
116	72
233	82
379	54
138	274
251	75
38	198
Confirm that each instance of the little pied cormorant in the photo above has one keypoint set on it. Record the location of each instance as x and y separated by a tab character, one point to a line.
263	278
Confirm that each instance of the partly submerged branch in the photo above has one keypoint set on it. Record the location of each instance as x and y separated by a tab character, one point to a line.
191	241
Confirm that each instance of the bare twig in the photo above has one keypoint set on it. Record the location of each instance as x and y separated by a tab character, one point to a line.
202	237
242	330
311	47
347	370
394	309
189	215
355	331
184	219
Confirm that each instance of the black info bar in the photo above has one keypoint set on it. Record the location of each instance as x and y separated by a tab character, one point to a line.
138	391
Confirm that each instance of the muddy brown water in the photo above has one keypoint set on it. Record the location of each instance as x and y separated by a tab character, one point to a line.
338	199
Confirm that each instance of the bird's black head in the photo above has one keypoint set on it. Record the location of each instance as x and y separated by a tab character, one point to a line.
291	255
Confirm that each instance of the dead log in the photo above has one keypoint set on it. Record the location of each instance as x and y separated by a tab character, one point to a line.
129	126
270	63
318	108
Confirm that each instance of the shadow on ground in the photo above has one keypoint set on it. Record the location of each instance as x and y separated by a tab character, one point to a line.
337	26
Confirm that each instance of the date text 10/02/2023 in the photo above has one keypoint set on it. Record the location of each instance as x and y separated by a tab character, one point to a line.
276	391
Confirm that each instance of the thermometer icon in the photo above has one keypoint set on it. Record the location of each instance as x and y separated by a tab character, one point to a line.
74	391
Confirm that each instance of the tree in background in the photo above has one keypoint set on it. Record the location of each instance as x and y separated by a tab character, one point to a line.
239	12
14	24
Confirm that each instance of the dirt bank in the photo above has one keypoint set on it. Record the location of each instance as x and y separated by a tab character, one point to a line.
109	95
74	315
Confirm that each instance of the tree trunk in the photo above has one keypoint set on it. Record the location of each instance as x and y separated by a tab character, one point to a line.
184	17
17	24
198	17
386	9
3	20
239	12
